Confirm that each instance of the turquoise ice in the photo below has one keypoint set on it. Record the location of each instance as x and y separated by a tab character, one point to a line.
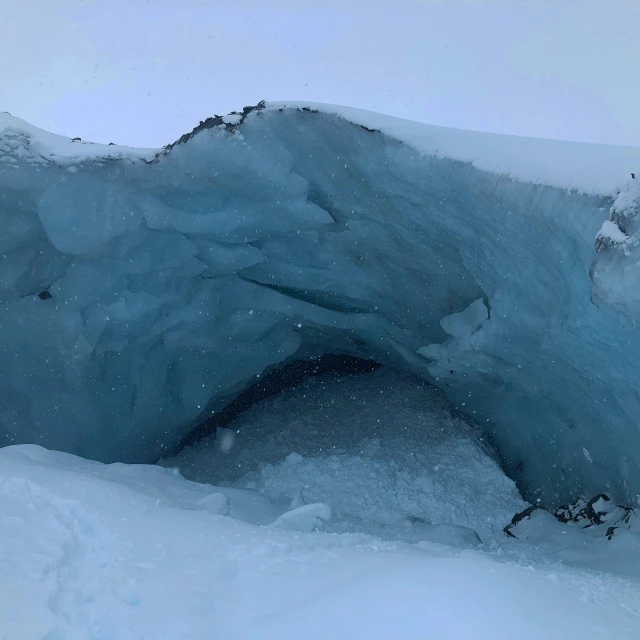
170	279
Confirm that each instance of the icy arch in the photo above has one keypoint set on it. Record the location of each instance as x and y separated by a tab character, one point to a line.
142	290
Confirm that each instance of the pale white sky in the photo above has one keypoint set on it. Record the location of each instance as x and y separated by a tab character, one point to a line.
143	72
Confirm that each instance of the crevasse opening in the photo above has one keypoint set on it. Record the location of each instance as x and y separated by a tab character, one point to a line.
143	293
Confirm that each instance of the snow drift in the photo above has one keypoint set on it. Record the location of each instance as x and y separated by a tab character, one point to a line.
125	552
142	290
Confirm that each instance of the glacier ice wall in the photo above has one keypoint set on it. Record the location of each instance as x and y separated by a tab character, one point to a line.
138	293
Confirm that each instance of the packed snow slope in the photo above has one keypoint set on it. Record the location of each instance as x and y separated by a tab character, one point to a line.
130	552
142	290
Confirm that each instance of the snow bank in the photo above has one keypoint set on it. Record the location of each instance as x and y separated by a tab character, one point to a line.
139	292
123	552
22	142
588	168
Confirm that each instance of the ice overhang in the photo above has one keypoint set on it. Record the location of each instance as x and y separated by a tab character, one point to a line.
141	290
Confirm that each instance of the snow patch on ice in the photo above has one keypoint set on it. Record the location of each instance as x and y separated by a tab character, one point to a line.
616	270
611	231
21	142
232	118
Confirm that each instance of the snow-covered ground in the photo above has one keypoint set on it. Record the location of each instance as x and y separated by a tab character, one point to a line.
93	551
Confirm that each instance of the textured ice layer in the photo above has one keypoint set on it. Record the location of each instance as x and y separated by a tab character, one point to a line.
138	292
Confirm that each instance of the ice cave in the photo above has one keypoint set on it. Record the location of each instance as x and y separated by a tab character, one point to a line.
314	372
144	291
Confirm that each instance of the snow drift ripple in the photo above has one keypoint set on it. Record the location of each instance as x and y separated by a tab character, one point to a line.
140	290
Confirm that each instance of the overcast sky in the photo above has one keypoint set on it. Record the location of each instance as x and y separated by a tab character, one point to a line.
143	72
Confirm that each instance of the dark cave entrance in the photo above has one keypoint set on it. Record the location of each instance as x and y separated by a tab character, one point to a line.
275	380
382	447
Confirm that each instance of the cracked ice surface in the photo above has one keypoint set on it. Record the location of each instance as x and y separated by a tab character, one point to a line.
173	279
